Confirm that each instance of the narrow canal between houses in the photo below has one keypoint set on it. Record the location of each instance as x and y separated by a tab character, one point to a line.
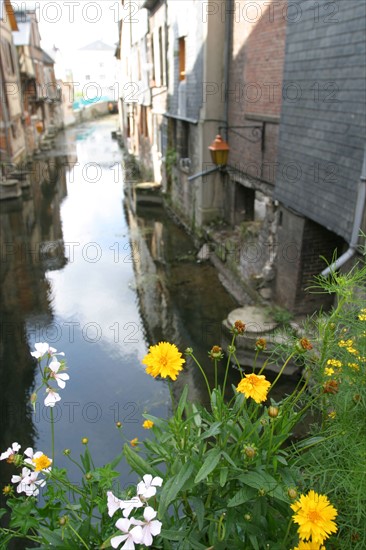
99	280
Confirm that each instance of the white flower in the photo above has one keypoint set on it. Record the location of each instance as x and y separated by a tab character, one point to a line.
42	348
130	538
10	451
28	482
128	505
32	456
150	527
147	487
113	503
60	378
51	398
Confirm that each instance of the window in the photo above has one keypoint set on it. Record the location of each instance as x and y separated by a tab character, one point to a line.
153	60
162	58
143	127
87	77
182	58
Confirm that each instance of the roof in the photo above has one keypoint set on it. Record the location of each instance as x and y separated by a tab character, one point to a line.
22	36
98	45
47	58
5	6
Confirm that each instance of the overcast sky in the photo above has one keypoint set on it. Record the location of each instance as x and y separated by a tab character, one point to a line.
71	24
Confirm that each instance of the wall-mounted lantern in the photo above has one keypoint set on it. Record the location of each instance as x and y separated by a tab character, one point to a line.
219	150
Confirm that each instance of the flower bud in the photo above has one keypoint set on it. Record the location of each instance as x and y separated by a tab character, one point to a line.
250	451
261	492
119	424
67	452
8	490
303	345
248	517
357	397
261	344
331	387
85	441
215	353
33	398
238	327
231	349
134	442
189	351
292	493
63	520
88	476
273	411
17	460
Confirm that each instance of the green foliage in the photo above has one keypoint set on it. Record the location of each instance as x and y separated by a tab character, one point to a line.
231	470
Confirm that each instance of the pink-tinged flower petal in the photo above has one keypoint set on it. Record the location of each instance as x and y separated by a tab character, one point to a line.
128	505
113	503
51	398
147	487
10	451
41	349
54	365
116	541
149	513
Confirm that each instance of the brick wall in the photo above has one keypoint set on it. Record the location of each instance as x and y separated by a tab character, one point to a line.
255	84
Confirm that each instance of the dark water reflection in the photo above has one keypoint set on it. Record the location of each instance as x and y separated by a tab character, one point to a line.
100	281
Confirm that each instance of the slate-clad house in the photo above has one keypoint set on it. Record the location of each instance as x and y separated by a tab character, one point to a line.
321	142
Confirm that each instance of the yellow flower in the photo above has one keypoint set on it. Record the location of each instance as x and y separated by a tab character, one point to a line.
147	424
41	462
309	546
332	414
328	371
254	386
362	315
334	363
353	366
345	343
352	350
314	515
134	442
163	360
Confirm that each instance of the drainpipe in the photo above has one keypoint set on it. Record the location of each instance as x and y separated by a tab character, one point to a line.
210	171
360	205
229	14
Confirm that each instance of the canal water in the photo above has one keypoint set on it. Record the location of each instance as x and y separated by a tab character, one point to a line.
99	278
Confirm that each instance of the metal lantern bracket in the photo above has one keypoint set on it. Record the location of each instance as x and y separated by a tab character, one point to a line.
256	131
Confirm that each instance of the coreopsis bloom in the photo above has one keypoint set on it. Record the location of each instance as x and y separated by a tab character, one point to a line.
150	527
332	387
52	397
362	314
345	343
61	377
147	487
328	371
309	546
314	514
130	538
28	482
147	424
334	363
38	460
164	360
134	442
9	454
255	386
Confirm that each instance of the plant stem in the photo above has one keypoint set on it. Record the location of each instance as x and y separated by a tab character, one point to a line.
282	369
287	533
227	366
203	374
53	437
78	536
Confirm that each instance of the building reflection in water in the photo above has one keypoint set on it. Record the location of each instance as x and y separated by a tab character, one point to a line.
181	300
31	243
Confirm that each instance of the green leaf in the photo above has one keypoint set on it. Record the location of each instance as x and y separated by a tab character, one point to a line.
212	459
223	476
2	512
138	464
243	495
197	418
51	537
116	460
253	540
261	480
199	509
213	430
174	485
182	402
